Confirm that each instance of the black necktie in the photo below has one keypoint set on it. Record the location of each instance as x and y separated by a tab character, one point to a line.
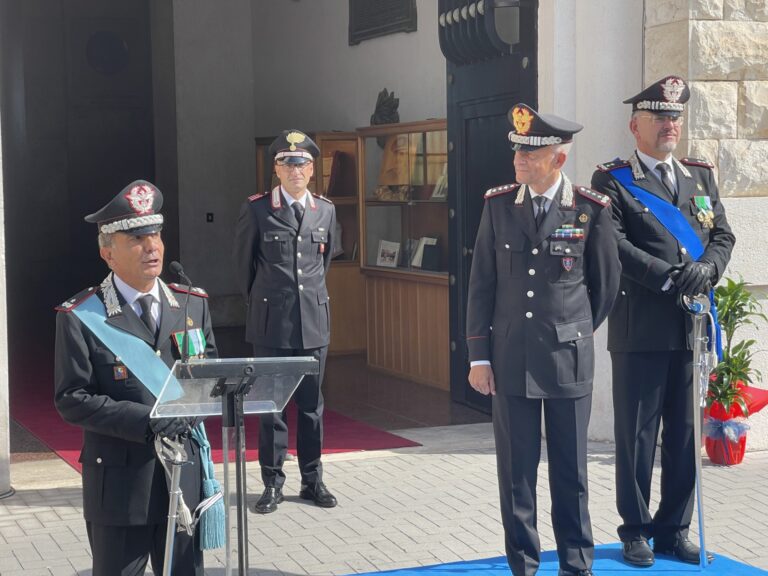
298	211
540	211
146	313
666	179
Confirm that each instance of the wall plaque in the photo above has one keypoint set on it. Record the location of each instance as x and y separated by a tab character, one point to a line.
373	18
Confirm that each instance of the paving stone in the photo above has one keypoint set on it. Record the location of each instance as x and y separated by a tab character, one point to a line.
408	507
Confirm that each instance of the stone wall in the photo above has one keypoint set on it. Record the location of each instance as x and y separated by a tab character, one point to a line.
721	48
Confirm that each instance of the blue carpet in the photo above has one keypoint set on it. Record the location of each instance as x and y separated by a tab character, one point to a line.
608	562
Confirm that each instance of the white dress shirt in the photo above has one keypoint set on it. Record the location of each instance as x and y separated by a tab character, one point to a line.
549	194
132	296
290	199
652	162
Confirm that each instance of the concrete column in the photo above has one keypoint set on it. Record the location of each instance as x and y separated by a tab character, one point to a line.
581	81
5	422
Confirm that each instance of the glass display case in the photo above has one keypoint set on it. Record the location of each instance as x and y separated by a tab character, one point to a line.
404	186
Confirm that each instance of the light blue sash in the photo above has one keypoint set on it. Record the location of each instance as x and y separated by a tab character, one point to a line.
132	351
673	220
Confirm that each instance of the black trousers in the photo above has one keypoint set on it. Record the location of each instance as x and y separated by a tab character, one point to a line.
651	388
517	430
124	550
273	428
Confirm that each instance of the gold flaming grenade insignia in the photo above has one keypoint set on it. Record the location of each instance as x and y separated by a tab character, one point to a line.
294	138
522	120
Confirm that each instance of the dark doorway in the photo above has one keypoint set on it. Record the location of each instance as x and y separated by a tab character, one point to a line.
77	126
491	65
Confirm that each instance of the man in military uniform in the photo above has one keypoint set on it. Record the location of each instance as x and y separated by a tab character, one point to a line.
649	334
132	312
283	246
545	273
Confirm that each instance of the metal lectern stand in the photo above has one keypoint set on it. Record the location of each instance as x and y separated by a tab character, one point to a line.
232	387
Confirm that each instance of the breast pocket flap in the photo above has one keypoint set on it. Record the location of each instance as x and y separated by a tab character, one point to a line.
571	331
321	237
276	236
566	248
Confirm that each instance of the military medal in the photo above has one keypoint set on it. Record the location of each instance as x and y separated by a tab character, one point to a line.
195	341
120	372
705	214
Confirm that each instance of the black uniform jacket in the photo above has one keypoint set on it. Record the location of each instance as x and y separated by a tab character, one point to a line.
281	270
123	481
535	297
645	319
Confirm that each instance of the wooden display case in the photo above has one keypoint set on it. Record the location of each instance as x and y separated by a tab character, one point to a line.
404	249
336	178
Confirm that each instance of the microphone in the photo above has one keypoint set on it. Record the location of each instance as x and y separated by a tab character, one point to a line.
178	269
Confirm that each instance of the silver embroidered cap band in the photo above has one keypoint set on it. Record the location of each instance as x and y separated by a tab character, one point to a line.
128	224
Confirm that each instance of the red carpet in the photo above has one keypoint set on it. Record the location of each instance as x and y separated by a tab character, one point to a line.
33	409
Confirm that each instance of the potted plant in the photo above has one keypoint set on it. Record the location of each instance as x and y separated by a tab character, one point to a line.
731	398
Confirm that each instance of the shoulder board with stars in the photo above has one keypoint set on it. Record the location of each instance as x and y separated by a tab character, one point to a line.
322	198
597	197
254	197
194	290
76	300
499	190
696	162
612	165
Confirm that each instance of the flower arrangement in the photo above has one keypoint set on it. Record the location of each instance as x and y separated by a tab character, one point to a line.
731	398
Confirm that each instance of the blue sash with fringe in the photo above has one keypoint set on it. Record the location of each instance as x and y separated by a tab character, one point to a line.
673	220
153	373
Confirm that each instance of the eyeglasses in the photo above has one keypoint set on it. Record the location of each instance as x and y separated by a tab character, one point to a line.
290	167
660	120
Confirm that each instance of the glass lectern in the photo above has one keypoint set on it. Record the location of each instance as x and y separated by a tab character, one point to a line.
232	387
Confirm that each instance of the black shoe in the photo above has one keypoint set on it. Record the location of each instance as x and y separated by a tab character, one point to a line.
585	572
319	493
637	552
682	549
269	500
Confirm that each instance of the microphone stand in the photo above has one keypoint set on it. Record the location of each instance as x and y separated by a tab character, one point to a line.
179	270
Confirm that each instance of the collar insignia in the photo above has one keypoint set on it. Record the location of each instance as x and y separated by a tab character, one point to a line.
172	302
681	167
637	168
566	200
111	301
520	198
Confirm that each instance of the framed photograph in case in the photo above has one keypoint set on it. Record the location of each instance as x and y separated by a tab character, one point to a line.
389	254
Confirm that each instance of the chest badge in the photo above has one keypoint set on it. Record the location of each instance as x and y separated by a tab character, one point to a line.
120	372
567	263
583	218
196	342
704	214
190	322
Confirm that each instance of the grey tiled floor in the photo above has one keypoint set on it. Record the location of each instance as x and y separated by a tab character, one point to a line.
407	507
